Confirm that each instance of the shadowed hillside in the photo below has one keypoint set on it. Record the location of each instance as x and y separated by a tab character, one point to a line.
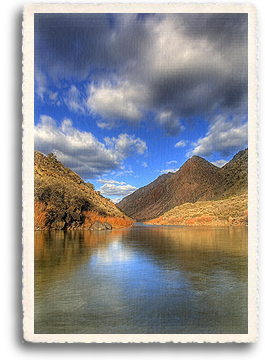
62	200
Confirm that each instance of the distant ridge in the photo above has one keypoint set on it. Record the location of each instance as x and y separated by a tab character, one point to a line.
197	179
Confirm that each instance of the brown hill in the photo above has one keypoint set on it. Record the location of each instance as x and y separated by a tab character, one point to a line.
229	211
235	176
197	179
62	200
147	198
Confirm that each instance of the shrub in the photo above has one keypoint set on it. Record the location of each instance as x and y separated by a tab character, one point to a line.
40	215
115	222
90	186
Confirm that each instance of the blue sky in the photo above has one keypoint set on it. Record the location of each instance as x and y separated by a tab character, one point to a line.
123	98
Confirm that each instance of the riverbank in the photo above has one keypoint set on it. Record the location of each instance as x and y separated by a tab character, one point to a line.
63	201
227	212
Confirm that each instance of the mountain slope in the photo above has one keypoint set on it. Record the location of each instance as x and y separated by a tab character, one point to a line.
229	211
235	176
197	179
62	200
145	197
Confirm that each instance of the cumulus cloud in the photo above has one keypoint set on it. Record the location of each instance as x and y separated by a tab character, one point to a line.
219	163
126	145
174	66
122	101
175	50
225	136
110	181
81	151
198	62
181	143
119	190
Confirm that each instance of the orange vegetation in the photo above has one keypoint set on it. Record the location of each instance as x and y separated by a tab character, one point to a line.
63	201
115	222
40	215
199	220
40	218
226	212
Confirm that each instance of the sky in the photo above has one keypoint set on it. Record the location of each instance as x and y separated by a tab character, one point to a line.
123	98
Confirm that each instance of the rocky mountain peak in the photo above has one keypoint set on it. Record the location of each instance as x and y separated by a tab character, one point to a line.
197	179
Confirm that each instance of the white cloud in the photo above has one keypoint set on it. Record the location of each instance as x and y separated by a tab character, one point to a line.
169	122
115	188
144	164
219	163
116	200
42	90
106	125
110	181
121	190
225	136
166	171
181	143
171	162
53	97
41	84
81	151
120	101
74	101
173	50
127	145
124	171
165	68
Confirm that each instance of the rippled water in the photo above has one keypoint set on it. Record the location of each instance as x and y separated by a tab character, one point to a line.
141	280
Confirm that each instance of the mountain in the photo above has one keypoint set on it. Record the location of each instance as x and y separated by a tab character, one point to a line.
229	211
197	179
62	200
145	199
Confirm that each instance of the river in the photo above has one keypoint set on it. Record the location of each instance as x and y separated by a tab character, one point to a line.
142	280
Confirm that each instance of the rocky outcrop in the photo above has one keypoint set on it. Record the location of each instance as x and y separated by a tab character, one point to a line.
63	201
100	226
107	225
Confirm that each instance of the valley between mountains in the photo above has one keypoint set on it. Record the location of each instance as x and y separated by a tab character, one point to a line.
198	194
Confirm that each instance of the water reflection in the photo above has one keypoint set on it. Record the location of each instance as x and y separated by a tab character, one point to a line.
141	280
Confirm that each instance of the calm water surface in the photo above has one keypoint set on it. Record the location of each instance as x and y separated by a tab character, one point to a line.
141	280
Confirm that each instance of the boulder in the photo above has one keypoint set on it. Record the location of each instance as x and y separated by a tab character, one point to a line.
58	224
61	215
75	215
98	226
68	219
107	225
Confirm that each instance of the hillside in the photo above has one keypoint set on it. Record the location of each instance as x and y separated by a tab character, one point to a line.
62	200
230	211
196	180
138	202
